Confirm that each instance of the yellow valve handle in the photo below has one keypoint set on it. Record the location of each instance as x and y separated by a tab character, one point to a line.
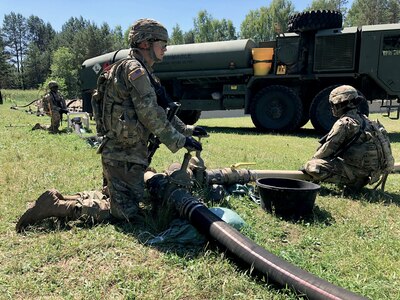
240	164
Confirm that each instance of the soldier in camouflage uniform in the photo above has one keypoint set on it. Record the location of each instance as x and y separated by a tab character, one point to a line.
54	105
348	156
133	116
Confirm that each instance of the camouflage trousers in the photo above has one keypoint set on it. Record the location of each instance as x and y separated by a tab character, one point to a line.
55	121
94	205
125	185
337	171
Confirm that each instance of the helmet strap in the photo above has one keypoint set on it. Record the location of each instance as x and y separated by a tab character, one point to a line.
149	48
153	54
339	109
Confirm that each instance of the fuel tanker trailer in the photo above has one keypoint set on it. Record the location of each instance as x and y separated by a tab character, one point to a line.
282	83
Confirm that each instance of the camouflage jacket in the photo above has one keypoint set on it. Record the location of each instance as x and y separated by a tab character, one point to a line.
135	110
362	153
53	101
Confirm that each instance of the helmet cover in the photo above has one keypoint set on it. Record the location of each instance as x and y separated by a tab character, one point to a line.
342	94
53	84
147	30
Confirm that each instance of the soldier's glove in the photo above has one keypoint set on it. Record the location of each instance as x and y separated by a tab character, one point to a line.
192	145
199	131
64	111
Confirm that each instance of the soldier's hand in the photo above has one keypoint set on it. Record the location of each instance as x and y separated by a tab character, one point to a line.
199	131
64	111
192	145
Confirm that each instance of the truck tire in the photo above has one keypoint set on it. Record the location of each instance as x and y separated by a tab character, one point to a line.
276	108
315	20
189	117
321	113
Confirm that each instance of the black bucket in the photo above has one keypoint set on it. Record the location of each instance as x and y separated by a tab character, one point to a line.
287	197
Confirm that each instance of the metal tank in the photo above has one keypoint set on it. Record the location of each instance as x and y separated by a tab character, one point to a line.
226	55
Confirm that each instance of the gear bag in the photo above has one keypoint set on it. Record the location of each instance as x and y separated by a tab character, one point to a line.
104	109
377	158
98	100
380	137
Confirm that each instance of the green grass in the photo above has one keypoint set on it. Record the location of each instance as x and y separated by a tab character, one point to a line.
352	242
21	97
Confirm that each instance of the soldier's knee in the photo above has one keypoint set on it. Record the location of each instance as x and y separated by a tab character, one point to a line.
318	171
310	167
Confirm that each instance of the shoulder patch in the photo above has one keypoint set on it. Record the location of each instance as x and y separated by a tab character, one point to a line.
136	73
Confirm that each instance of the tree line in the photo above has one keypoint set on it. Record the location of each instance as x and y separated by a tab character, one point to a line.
33	53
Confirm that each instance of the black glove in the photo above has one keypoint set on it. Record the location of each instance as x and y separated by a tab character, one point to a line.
64	111
199	131
192	145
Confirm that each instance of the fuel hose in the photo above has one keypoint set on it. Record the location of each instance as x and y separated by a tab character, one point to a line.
268	264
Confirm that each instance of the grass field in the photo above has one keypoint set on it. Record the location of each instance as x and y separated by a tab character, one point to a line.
352	241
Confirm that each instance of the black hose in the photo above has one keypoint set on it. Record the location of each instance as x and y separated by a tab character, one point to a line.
71	102
275	268
16	106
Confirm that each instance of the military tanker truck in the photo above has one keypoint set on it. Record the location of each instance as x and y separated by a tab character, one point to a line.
282	83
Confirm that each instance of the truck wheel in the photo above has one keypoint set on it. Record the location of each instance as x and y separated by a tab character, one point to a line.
276	108
321	113
189	117
315	20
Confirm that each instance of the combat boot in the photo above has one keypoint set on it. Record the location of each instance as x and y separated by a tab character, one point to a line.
37	126
49	204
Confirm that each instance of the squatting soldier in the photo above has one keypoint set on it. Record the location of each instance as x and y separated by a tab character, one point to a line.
54	105
356	151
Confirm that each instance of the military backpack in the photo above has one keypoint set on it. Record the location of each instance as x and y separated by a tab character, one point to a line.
99	101
380	137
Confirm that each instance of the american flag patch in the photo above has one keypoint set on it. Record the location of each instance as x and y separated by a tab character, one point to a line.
136	73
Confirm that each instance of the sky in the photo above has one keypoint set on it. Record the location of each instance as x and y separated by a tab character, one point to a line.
125	12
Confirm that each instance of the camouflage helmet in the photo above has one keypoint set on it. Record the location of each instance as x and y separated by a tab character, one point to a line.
343	93
342	99
146	30
53	84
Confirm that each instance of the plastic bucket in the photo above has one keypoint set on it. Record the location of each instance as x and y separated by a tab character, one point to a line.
287	197
262	60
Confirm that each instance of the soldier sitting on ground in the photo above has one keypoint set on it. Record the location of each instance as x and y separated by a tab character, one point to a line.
356	151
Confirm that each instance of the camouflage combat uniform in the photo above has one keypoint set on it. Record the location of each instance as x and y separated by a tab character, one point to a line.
53	102
93	204
135	114
356	165
127	113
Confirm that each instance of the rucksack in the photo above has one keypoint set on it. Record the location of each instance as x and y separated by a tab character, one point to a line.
380	161
98	100
102	108
386	161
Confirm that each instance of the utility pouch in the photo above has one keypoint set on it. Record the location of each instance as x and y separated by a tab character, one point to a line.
128	130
